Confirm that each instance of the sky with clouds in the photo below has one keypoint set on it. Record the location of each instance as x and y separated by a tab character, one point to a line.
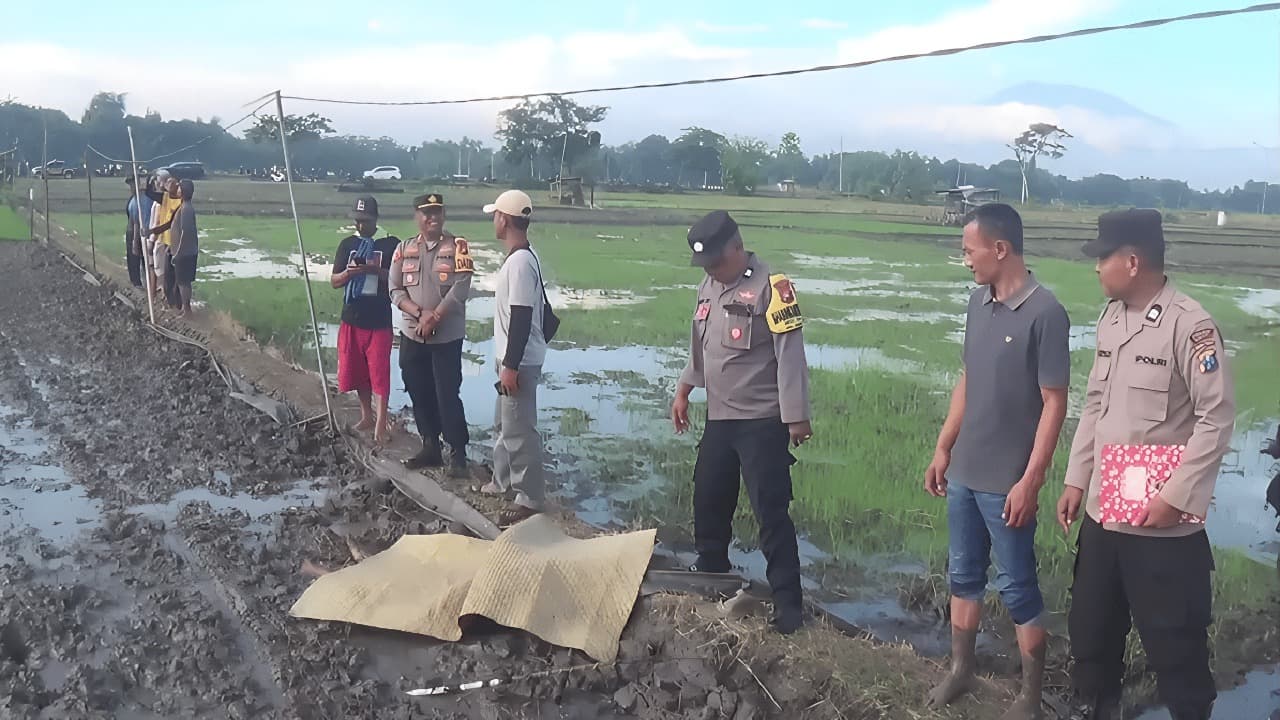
1204	96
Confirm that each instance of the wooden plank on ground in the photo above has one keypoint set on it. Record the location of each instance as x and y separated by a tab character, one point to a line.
429	494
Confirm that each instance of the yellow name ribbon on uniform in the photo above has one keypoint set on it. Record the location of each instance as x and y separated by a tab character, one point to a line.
462	261
783	314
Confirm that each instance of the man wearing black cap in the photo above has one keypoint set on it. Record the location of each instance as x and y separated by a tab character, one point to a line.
360	270
1160	386
430	283
747	350
136	227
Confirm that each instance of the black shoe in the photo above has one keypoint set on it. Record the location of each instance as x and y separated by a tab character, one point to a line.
787	620
711	566
1105	709
458	466
428	457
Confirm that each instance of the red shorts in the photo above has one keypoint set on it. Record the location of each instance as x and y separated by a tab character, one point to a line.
364	359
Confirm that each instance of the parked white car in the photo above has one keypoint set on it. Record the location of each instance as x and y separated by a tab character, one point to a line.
55	168
383	172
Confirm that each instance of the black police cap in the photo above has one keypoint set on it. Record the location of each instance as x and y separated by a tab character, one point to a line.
429	200
709	236
1136	227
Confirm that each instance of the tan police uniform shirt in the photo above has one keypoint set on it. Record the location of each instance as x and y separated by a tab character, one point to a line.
435	276
1160	377
747	348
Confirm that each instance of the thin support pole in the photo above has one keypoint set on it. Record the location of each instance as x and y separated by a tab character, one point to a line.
44	174
563	150
93	245
31	212
841	190
302	257
142	223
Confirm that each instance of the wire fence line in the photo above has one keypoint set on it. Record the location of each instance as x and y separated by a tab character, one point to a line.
201	141
1139	25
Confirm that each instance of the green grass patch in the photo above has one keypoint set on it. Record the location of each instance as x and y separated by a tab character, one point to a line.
12	227
274	310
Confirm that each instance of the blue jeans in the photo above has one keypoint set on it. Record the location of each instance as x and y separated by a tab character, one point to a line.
976	528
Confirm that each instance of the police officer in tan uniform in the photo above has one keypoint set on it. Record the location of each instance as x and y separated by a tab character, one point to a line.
747	350
430	281
1160	377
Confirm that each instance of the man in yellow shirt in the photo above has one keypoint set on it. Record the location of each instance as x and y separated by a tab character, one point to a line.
169	200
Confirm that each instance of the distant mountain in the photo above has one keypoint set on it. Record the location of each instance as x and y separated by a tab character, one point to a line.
1055	96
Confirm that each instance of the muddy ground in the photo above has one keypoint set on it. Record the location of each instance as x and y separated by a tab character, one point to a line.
153	529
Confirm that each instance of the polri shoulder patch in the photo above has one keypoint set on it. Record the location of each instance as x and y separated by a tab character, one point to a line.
462	261
1208	360
783	313
1201	335
1202	341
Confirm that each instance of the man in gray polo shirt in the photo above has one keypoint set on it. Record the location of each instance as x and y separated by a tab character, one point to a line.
995	446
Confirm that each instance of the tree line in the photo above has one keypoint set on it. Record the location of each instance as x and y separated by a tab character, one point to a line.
545	138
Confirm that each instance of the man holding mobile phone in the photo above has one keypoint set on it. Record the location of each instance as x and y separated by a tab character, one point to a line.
360	270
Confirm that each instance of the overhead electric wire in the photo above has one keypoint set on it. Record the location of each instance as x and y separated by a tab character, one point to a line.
201	141
1154	22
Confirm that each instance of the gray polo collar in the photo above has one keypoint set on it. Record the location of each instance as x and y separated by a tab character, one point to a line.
1015	302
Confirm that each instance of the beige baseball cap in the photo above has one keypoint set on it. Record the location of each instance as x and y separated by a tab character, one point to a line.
511	202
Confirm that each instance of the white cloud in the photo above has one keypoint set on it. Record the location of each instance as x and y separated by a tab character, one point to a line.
375	25
456	70
1001	123
707	27
66	78
596	54
824	24
992	21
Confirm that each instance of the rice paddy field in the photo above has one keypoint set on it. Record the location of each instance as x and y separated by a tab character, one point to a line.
884	298
12	227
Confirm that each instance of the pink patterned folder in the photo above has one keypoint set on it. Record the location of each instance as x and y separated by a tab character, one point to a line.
1132	475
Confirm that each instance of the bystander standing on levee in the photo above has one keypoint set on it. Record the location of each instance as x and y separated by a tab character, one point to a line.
138	217
186	245
520	348
995	447
361	268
